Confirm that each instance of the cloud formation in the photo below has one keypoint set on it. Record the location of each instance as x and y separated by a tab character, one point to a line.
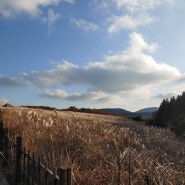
90	95
9	8
127	14
140	5
122	72
128	73
128	22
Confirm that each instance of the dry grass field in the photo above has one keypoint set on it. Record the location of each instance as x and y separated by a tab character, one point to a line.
100	149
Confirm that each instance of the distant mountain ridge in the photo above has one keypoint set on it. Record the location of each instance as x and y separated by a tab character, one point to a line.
149	109
146	112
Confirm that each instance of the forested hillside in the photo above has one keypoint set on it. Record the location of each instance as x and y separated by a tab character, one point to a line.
171	114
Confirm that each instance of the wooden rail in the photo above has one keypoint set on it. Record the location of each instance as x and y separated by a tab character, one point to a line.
27	169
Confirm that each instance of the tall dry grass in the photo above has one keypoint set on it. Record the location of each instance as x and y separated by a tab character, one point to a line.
101	150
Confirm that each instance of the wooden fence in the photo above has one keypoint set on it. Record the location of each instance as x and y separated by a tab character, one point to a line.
27	169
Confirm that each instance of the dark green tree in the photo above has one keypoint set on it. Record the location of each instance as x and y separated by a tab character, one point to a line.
171	113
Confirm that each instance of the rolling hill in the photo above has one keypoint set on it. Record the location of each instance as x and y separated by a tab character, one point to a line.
146	112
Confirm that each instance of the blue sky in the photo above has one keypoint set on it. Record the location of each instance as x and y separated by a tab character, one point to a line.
97	53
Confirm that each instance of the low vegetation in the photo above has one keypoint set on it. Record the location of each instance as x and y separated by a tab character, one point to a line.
100	149
74	109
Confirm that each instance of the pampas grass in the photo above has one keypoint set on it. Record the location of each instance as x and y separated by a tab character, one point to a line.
101	150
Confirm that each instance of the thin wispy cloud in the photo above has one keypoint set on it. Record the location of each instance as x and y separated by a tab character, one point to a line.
52	19
140	5
128	22
69	1
84	25
129	15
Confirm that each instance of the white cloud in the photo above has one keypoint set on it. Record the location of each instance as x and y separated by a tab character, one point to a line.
130	14
10	8
69	1
138	5
130	73
90	95
52	19
120	72
128	22
138	44
84	25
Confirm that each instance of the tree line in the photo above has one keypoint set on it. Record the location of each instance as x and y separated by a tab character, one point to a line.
171	114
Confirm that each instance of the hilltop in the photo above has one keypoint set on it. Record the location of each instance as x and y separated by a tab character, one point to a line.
146	112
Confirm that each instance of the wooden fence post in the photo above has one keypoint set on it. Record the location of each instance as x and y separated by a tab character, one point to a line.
38	171
63	176
46	176
18	160
28	168
69	175
6	147
24	166
1	135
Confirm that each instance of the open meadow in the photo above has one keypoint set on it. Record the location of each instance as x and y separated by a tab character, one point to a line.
100	149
